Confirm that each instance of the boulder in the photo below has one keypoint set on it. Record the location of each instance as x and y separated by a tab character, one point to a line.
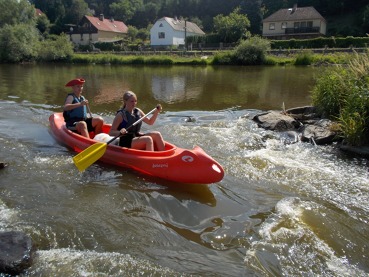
303	122
16	251
319	133
276	121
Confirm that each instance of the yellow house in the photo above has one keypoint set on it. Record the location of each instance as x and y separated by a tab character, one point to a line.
97	29
296	22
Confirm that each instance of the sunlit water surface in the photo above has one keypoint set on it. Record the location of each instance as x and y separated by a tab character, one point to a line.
281	210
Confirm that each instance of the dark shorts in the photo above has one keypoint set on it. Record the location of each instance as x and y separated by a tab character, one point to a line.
71	125
126	140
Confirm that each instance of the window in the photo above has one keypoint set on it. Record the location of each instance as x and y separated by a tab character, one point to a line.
303	24
161	35
161	25
310	24
284	25
296	25
271	26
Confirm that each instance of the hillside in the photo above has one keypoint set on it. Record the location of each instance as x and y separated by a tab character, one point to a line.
348	24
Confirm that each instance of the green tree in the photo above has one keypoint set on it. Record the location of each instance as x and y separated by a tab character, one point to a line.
143	34
146	15
76	10
132	32
365	18
124	10
43	24
252	9
14	12
233	27
18	43
55	48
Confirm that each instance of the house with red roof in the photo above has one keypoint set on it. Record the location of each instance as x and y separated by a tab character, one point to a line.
97	29
296	22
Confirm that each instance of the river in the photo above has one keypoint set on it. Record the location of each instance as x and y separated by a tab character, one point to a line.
281	209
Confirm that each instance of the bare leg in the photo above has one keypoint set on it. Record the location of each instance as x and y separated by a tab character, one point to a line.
81	127
143	143
97	123
158	140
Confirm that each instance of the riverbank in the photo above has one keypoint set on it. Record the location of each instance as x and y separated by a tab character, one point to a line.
277	57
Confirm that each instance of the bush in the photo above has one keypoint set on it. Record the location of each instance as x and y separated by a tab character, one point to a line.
304	58
18	43
223	58
55	48
251	51
342	93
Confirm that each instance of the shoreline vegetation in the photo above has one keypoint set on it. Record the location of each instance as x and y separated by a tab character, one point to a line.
304	57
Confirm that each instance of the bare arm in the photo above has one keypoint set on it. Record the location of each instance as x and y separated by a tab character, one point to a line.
116	122
69	106
152	119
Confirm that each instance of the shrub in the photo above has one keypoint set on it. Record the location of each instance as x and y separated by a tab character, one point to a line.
304	58
55	48
342	93
223	58
18	43
251	51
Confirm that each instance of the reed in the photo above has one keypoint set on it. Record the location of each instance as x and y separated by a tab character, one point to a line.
342	93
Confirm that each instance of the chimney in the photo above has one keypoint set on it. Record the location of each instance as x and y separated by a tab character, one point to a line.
111	19
101	17
294	8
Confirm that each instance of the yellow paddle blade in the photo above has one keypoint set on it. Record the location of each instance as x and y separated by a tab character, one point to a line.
90	155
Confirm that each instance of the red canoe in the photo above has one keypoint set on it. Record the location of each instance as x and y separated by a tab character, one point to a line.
173	164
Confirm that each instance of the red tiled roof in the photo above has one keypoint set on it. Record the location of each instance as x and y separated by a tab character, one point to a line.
108	25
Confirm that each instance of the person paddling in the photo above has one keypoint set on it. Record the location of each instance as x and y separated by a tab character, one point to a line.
75	114
133	138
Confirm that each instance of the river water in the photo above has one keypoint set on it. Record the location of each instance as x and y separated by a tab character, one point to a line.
281	210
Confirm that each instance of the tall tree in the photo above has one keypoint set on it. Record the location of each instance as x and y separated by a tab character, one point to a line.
146	15
232	28
252	8
15	12
77	9
125	9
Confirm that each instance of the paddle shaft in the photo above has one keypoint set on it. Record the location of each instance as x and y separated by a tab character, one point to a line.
134	124
89	111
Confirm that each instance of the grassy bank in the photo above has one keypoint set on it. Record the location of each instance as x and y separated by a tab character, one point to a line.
219	58
117	59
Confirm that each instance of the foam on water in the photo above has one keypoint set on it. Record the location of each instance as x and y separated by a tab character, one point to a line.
287	243
69	262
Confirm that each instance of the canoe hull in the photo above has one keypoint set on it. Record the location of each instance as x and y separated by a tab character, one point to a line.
173	164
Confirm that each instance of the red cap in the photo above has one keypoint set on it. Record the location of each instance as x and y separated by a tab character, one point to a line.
75	82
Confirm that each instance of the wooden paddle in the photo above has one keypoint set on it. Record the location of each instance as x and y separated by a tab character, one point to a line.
91	154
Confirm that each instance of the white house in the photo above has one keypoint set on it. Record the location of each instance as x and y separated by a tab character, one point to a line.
172	32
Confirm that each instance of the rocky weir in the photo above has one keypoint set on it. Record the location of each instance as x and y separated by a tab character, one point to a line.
307	125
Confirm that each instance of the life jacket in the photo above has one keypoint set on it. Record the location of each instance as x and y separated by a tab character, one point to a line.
129	119
76	114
